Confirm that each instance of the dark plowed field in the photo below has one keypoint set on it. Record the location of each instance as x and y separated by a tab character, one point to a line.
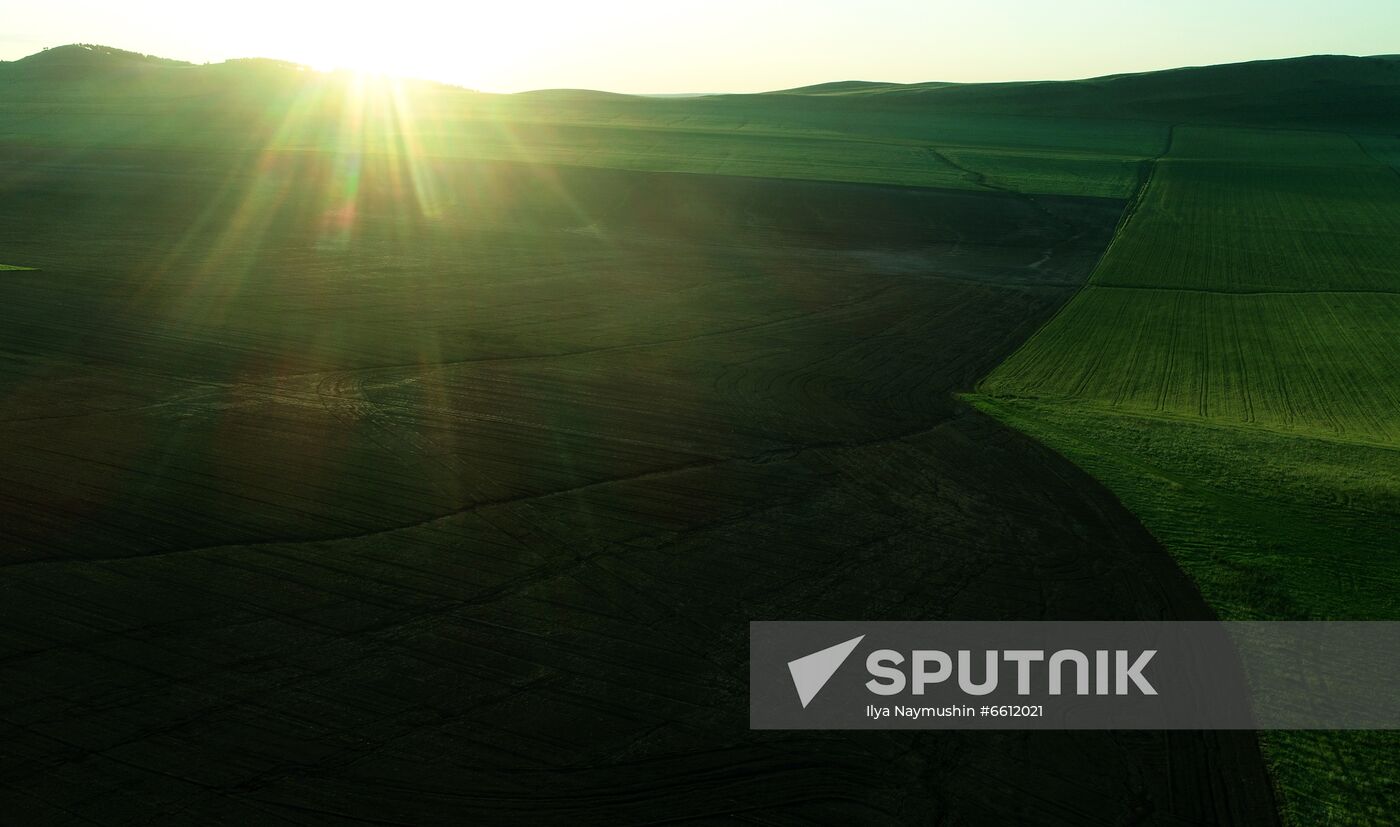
311	511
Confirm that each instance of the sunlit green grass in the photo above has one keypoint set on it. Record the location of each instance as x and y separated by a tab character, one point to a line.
1269	525
1230	374
1048	171
1307	363
751	136
1251	211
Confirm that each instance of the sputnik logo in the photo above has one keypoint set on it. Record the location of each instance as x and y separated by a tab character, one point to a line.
811	672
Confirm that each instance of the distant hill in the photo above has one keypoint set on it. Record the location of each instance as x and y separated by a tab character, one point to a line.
102	74
576	94
1299	91
1322	90
81	60
839	87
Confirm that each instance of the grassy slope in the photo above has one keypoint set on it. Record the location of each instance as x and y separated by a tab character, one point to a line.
1308	363
61	96
1247	212
1243	402
1194	439
1076	138
1385	149
902	156
1307	92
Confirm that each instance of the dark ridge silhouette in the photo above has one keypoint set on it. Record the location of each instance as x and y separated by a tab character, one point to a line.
83	59
1356	92
1293	91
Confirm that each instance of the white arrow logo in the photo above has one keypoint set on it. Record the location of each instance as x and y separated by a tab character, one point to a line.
811	672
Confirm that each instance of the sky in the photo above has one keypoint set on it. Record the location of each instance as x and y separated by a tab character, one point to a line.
715	46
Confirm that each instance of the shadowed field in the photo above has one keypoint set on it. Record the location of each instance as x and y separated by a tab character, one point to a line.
462	513
383	451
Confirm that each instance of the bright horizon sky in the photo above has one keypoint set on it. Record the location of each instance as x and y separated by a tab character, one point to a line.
717	46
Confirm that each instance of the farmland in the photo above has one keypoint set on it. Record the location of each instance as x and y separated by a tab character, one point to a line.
266	106
1246	212
1031	155
391	452
417	518
1217	355
1230	373
1255	283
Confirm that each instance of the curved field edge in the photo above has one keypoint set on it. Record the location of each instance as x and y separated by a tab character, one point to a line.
1227	373
1269	526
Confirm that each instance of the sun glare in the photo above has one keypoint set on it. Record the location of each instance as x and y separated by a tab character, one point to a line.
366	65
478	55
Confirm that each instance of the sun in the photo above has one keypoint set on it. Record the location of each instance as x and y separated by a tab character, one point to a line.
483	46
375	62
465	56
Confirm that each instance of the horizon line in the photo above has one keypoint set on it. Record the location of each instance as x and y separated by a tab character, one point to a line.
579	89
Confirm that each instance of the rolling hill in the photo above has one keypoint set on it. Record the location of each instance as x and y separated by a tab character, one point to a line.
386	450
1356	92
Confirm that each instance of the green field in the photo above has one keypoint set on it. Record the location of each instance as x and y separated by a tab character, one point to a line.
262	107
1033	155
1300	362
1230	372
1246	291
463	512
1243	212
392	452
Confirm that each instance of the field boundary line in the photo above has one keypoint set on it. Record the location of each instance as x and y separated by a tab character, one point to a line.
1220	423
1145	174
1367	153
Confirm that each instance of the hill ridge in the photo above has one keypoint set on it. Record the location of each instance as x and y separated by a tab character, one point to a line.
1312	92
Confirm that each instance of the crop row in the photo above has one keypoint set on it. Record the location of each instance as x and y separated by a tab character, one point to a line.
1320	361
1248	211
